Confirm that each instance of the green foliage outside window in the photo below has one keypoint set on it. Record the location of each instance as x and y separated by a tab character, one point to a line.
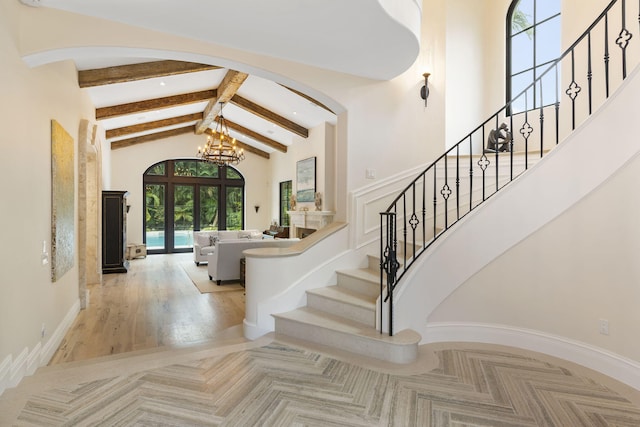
234	208
208	207
154	198
183	207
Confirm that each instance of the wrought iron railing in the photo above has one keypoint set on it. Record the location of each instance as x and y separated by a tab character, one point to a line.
470	172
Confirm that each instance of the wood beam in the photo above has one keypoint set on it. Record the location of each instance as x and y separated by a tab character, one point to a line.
246	147
142	127
255	135
151	137
308	98
154	104
133	72
270	116
227	89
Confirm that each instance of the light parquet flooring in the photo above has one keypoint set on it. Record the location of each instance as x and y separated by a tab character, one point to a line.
154	305
284	382
284	385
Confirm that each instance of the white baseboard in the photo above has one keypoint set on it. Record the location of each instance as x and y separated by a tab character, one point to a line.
251	330
56	338
613	365
12	370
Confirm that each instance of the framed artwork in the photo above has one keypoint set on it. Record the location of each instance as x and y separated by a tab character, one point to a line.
62	201
306	180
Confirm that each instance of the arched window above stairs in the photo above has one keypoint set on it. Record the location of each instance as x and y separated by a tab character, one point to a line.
533	43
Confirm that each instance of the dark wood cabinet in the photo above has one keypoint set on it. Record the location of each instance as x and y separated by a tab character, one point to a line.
114	232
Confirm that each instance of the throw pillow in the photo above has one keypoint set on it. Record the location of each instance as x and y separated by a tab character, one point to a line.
213	240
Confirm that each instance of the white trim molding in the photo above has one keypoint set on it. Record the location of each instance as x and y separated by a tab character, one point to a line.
625	370
13	370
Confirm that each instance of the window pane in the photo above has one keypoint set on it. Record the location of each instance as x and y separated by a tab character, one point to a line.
518	84
285	202
521	53
534	46
522	17
232	173
159	169
154	214
183	216
209	207
207	170
234	208
548	36
546	9
184	168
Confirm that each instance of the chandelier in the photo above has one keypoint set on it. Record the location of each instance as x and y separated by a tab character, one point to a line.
220	148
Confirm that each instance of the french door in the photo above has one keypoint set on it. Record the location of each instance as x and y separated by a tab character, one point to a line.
186	195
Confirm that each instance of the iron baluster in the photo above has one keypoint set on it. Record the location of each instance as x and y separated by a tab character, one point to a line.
524	132
623	39
424	209
606	54
557	106
458	182
470	173
404	229
573	90
589	71
511	148
435	202
497	156
541	121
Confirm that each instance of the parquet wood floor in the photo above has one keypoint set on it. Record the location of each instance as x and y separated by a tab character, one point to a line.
154	305
285	382
284	385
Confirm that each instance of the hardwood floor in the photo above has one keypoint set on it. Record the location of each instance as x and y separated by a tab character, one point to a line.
154	305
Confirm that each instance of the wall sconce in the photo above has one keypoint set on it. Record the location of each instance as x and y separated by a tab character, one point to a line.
424	91
257	207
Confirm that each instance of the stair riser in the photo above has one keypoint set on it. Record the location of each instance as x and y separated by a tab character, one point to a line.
346	342
366	316
355	284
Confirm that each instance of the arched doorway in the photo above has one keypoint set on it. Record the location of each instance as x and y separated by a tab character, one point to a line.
185	195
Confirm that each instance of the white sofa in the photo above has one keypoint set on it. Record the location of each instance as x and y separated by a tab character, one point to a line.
224	261
204	242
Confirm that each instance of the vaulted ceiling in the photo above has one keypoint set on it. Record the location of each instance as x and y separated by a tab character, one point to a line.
137	102
144	99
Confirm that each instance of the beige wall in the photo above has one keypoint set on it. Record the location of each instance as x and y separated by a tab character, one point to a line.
578	269
31	99
283	167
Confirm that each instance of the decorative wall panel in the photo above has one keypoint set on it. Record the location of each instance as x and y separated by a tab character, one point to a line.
62	201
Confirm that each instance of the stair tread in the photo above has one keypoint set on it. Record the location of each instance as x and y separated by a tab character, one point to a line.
340	324
367	274
345	296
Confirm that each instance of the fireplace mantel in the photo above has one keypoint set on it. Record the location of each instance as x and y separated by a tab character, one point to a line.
312	220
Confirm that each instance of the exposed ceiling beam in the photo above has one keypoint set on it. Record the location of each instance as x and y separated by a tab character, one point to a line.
154	104
227	89
308	98
150	137
244	146
270	116
255	135
133	72
142	127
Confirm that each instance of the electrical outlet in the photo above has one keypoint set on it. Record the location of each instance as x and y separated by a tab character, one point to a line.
604	326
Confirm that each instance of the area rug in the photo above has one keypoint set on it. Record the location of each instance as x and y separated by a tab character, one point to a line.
200	277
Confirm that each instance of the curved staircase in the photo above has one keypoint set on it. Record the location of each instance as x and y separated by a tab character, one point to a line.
344	316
